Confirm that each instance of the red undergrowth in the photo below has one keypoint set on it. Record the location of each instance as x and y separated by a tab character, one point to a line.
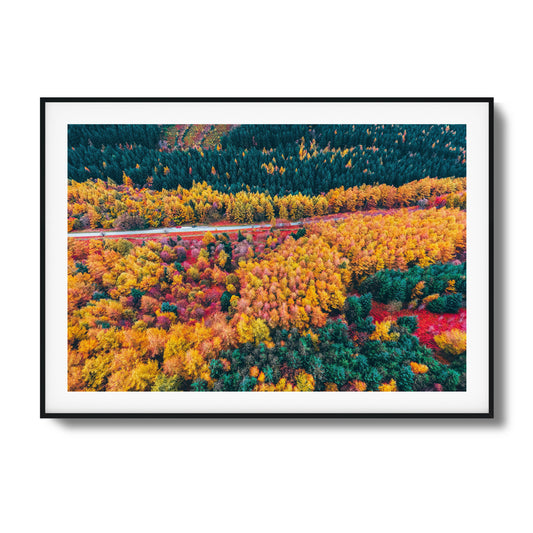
429	324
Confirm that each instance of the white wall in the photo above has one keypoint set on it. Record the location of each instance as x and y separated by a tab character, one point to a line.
253	475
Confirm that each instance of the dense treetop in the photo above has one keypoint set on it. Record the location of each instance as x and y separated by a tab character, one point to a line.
270	311
114	134
367	294
278	159
97	204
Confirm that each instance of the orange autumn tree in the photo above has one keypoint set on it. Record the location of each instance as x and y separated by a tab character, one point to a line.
295	285
188	351
398	241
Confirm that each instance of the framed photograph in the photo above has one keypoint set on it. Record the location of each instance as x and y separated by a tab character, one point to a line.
266	257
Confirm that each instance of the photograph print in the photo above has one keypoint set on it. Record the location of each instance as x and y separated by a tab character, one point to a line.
320	258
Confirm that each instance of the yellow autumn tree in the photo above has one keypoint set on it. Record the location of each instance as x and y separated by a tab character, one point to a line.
452	342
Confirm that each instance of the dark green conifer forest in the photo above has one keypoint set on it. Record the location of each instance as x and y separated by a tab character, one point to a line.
278	159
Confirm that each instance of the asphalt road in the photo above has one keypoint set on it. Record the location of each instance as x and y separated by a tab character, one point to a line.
174	230
203	229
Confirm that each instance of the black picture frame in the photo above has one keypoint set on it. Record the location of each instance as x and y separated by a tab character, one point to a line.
47	321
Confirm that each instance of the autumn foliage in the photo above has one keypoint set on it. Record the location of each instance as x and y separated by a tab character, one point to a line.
370	301
155	315
452	342
104	204
396	241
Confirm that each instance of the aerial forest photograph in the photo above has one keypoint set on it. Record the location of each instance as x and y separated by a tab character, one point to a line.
267	257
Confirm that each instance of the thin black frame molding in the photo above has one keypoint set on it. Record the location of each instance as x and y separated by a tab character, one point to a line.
273	415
